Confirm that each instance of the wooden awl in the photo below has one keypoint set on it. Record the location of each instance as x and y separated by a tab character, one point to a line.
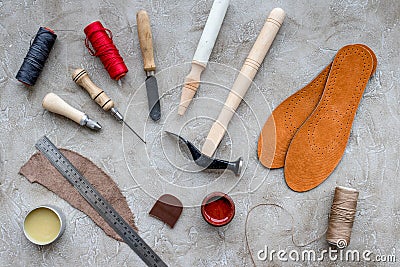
80	77
56	104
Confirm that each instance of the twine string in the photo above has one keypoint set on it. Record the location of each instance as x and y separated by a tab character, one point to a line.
342	216
340	220
100	44
36	57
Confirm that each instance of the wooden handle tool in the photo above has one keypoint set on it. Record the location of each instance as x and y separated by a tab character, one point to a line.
203	52
146	45
81	77
56	104
145	40
244	79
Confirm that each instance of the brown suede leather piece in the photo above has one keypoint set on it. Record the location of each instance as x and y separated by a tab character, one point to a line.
287	118
39	170
319	144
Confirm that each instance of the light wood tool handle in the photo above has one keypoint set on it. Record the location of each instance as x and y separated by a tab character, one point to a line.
244	79
203	52
210	32
145	40
81	77
56	104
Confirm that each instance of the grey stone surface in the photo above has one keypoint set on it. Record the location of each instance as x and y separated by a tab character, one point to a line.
312	32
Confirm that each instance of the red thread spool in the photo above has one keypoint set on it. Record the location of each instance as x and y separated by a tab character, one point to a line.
218	209
104	48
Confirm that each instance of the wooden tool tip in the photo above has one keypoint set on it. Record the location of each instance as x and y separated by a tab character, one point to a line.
277	14
76	74
189	89
141	12
46	99
181	110
188	92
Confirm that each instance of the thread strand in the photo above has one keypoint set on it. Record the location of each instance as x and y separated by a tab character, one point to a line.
102	46
341	218
340	222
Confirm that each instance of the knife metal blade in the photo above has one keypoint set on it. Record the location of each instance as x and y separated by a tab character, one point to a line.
153	98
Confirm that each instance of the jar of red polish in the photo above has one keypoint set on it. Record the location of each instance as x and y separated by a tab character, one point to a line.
218	209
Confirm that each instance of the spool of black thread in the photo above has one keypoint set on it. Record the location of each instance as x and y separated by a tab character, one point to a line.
36	57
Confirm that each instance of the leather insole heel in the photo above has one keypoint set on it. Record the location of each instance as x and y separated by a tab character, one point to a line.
319	144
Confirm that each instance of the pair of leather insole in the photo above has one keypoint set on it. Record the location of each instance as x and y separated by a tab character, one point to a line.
308	132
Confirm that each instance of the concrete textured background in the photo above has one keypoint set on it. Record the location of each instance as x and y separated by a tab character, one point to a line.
312	33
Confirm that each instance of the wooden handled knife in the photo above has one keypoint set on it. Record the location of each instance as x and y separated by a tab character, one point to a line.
146	45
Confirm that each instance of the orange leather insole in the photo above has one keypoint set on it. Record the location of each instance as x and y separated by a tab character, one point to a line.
319	144
287	118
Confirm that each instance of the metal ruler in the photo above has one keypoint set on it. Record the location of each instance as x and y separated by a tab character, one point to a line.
109	214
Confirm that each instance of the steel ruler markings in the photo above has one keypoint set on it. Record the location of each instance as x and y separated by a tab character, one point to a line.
109	214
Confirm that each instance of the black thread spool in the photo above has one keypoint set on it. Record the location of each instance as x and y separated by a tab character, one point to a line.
36	57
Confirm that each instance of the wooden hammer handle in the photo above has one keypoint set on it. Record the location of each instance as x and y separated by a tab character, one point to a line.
81	77
244	79
145	40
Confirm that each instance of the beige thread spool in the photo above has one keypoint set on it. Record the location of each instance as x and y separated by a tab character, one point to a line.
341	218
